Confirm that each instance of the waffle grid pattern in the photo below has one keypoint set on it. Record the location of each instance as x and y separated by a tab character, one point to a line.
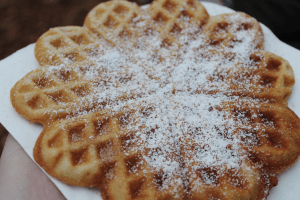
106	151
222	33
70	44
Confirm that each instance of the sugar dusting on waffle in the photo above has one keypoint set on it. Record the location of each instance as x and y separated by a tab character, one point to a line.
175	92
170	104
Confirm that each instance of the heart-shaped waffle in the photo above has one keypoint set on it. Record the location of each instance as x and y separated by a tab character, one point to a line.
161	103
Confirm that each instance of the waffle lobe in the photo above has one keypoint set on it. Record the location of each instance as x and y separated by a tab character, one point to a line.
161	103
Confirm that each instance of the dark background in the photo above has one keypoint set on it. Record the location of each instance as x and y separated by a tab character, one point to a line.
22	22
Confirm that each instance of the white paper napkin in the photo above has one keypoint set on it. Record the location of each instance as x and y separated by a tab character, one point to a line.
14	67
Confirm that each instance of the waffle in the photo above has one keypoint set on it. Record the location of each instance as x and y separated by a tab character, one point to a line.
161	103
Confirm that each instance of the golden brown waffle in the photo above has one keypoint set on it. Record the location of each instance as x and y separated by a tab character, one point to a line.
162	103
64	45
222	29
274	83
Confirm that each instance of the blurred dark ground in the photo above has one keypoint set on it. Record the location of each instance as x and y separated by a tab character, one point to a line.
22	22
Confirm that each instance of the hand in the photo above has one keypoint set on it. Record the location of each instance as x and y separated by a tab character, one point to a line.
21	178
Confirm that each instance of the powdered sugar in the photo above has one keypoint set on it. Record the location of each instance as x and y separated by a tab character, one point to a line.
181	96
